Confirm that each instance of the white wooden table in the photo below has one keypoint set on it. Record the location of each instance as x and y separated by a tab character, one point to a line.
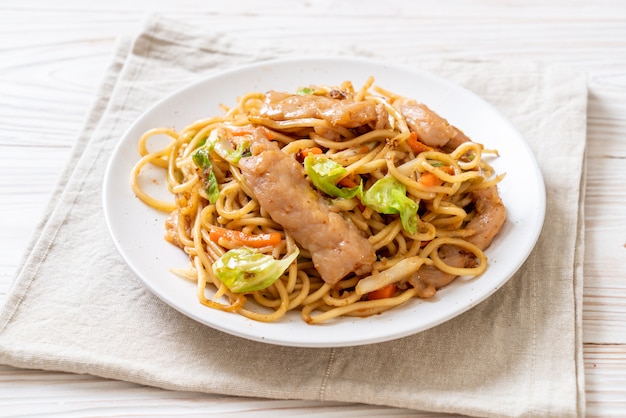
52	58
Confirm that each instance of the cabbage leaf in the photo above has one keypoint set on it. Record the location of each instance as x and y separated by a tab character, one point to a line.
388	196
325	173
245	270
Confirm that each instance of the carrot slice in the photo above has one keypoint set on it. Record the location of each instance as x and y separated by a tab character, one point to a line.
417	146
250	130
303	153
349	181
382	293
429	180
308	151
269	134
243	239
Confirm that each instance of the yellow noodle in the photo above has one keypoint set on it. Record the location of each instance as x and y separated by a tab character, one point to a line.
367	155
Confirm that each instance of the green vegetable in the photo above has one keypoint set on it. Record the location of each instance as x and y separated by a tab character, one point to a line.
245	270
202	160
305	90
325	173
224	148
436	163
388	196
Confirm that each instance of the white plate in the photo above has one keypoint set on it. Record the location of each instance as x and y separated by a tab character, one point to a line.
138	230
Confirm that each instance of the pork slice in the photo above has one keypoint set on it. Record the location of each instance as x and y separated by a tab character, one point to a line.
343	112
278	183
431	129
487	223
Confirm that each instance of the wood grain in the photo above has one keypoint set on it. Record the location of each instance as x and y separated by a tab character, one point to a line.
54	54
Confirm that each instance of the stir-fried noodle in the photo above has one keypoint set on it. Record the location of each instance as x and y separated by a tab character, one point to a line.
329	200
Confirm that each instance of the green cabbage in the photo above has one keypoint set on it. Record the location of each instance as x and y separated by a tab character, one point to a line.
245	270
224	148
325	173
202	160
388	196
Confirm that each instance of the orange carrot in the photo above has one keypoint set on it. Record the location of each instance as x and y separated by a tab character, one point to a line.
364	149
243	239
313	150
429	180
349	181
448	169
269	134
303	153
242	131
382	293
417	146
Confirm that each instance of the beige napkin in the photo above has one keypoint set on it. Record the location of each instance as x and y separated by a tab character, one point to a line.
75	306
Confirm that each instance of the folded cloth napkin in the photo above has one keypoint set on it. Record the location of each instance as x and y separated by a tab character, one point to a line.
75	306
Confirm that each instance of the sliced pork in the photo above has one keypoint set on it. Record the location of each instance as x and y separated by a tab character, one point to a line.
486	224
337	110
279	184
431	129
